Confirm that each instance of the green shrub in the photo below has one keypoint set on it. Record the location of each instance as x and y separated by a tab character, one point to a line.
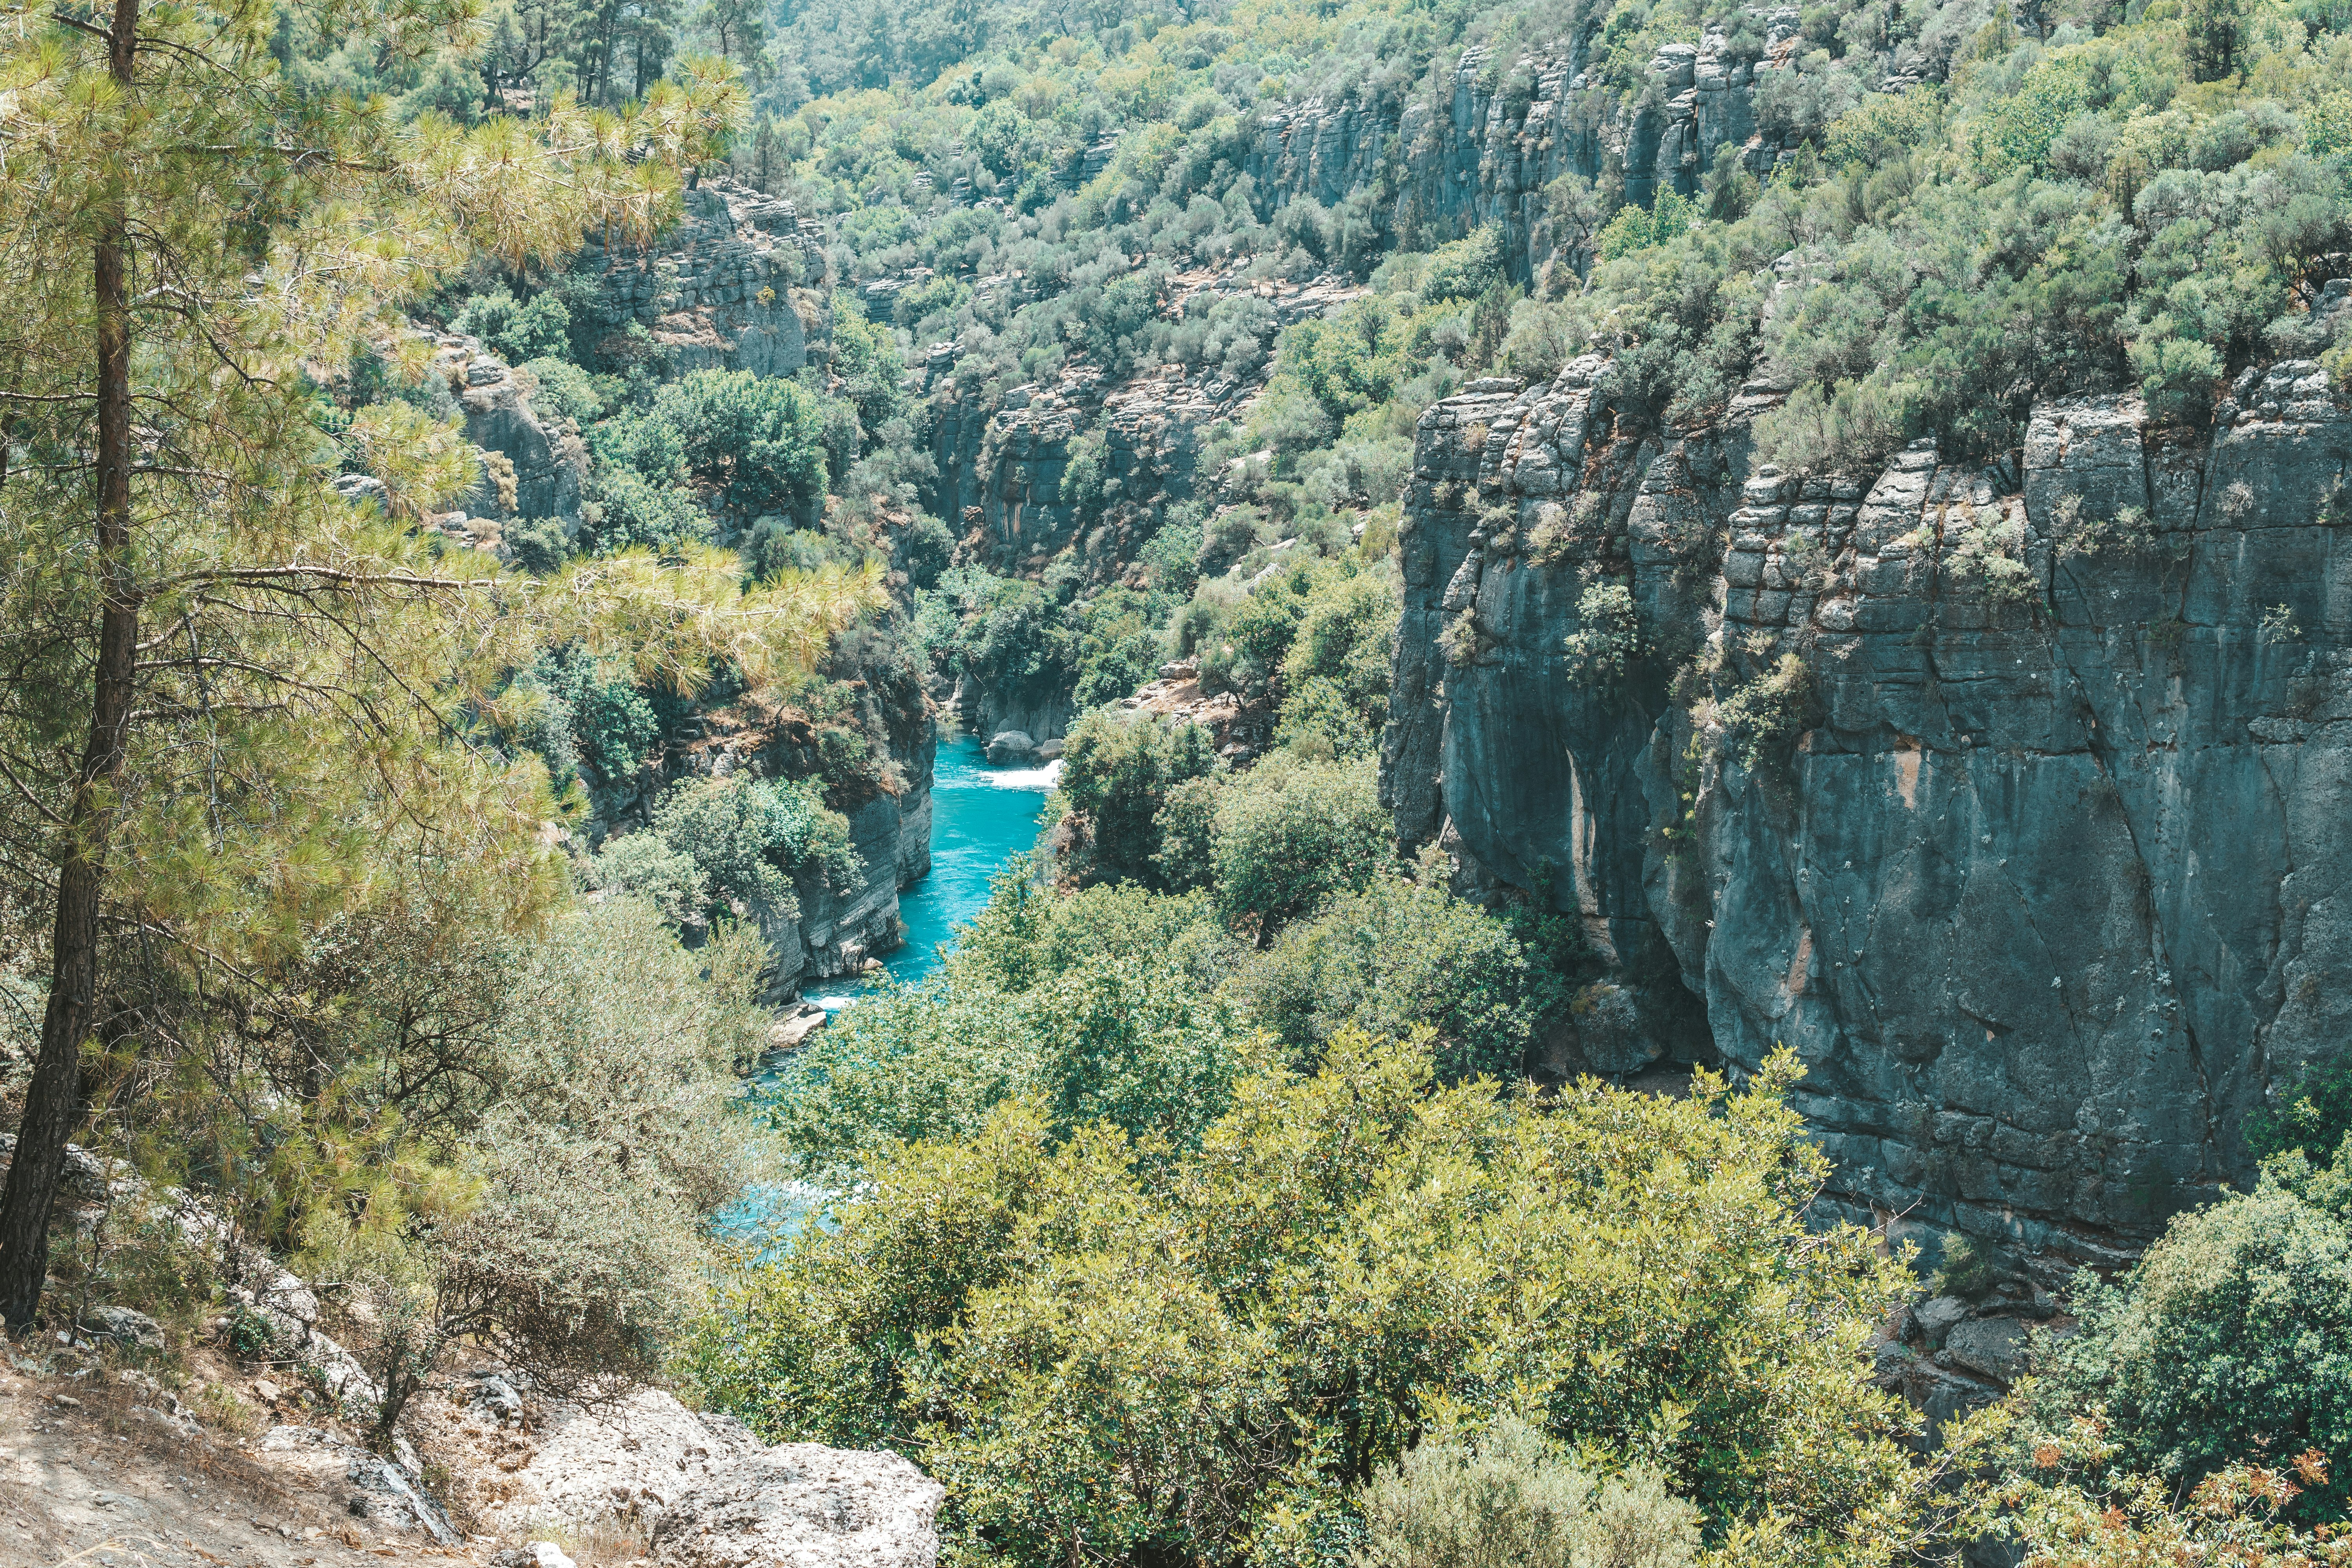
537	328
1345	633
649	866
567	1238
1848	428
1508	1498
1112	1353
923	549
1318	720
540	544
1608	638
1171	558
1117	771
568	391
1121	1038
630	511
1769	712
2227	1339
1186	824
1398	956
758	441
748	837
2313	1118
1634	228
1289	833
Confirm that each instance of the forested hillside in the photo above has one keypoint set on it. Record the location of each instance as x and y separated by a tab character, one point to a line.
1495	509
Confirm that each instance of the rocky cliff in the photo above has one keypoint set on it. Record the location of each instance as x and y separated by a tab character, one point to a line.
2008	795
719	290
1485	150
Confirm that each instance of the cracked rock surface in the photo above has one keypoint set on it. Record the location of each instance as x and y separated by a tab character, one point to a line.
2045	883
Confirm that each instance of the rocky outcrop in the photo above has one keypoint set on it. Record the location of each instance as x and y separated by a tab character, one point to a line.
1484	152
809	1506
1506	127
837	931
705	1493
386	1491
2033	855
721	291
1002	462
629	1460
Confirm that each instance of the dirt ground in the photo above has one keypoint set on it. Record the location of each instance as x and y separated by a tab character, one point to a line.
92	1471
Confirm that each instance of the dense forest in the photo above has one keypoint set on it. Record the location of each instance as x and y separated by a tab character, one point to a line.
403	848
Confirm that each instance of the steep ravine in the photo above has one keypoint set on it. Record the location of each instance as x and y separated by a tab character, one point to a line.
2047	890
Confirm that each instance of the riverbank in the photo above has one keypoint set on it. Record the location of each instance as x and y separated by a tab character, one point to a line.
983	814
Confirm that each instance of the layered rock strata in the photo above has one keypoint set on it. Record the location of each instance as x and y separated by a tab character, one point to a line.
721	291
2034	855
1506	129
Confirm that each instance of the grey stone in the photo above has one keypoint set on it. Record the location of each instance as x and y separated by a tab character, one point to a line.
378	1489
1010	745
497	1397
1936	1317
809	1506
135	1330
1997	1347
626	1462
1995	794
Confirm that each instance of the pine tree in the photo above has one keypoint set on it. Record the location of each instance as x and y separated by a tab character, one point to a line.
229	690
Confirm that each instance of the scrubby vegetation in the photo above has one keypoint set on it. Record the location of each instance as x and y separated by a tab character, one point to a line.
1216	1202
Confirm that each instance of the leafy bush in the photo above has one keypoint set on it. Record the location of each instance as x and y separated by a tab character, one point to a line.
2223	1341
2313	1118
1508	1498
1608	638
540	544
1395	957
1291	833
1171	557
749	838
566	1237
1117	771
1345	633
1101	1348
1767	712
568	391
1118	1038
537	328
1667	218
631	510
1318	720
756	440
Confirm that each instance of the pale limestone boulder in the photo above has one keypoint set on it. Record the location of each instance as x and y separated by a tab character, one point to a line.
809	1507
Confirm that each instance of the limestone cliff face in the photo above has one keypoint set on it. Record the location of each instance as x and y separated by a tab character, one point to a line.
1507	128
838	929
720	292
2045	881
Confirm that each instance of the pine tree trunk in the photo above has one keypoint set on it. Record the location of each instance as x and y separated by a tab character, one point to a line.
53	1105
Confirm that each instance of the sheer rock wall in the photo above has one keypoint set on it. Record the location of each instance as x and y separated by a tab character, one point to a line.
2046	885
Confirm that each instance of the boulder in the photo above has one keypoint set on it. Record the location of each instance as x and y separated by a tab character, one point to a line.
1997	1347
82	1181
1937	1316
133	1331
790	1032
1011	746
381	1489
809	1506
628	1461
497	1397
